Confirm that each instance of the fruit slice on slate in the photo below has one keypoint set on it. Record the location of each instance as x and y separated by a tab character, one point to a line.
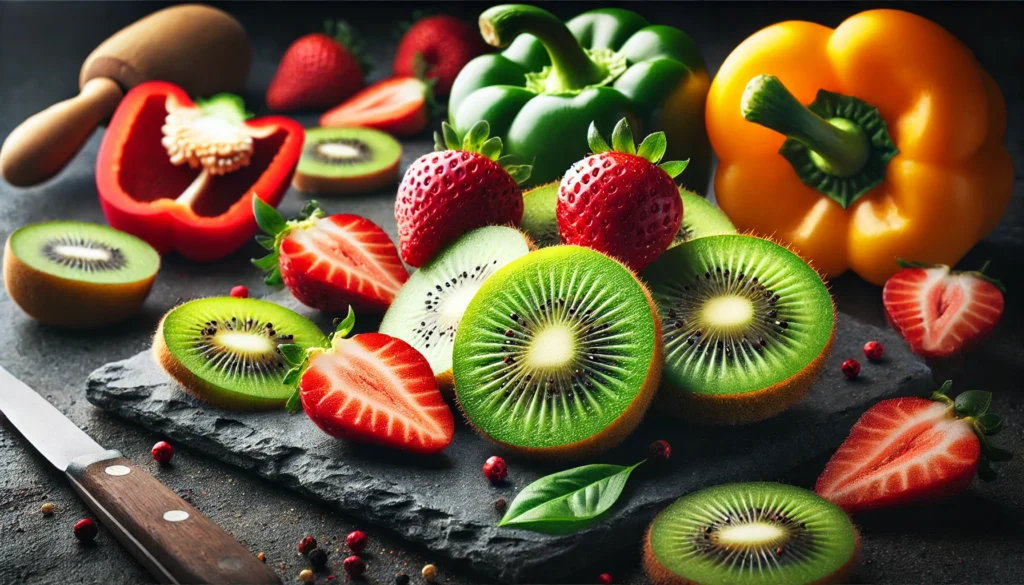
374	388
338	161
427	311
224	350
558	355
76	274
750	533
747	328
398	106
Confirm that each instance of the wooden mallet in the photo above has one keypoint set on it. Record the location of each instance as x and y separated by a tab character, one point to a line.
200	48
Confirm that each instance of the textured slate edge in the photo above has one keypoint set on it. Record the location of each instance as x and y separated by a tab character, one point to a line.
258	443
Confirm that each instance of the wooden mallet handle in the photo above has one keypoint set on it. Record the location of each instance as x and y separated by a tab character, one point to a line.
44	143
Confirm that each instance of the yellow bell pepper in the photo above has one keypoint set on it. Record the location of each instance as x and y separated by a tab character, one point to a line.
898	154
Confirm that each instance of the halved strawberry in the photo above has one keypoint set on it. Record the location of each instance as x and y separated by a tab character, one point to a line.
913	450
942	313
372	388
330	263
398	106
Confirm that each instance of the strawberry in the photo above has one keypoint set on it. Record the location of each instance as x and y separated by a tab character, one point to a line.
371	388
331	262
619	201
319	70
437	48
913	450
448	193
941	313
399	106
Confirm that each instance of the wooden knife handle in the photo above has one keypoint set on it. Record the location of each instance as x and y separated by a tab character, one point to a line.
168	536
41	145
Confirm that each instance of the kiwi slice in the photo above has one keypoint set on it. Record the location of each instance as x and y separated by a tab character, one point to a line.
76	274
751	533
559	354
339	161
700	218
539	220
224	350
427	311
747	328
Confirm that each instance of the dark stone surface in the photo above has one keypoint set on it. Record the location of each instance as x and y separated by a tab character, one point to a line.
975	538
445	504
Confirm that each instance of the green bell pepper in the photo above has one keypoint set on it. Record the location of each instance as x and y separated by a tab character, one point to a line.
542	92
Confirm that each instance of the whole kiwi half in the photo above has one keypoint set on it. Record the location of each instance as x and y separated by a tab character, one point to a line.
341	161
750	533
427	311
748	326
223	350
558	355
76	274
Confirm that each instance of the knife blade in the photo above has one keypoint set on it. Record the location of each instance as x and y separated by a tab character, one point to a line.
166	534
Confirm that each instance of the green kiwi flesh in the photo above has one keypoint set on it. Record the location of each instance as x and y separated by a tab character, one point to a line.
347	160
539	220
739	314
225	350
85	252
558	354
750	533
700	218
427	311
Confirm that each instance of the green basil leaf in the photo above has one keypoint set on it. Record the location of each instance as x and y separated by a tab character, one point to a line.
267	217
622	138
595	141
653	148
567	501
973	403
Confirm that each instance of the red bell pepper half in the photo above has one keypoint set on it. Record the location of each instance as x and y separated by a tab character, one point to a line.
181	175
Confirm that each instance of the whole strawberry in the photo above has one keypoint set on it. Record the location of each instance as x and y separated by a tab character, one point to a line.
318	71
447	193
619	201
940	313
437	48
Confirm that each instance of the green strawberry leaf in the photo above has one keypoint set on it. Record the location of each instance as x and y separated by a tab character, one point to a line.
274	278
344	326
294	401
985	471
596	141
519	173
476	136
439	143
268	218
652	149
451	137
491	148
567	501
622	138
268	262
972	403
292	352
267	242
675	167
991	423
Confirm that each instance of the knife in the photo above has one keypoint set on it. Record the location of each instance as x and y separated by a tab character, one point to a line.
165	533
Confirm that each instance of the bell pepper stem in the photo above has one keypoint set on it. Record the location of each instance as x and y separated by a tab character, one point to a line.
837	146
571	67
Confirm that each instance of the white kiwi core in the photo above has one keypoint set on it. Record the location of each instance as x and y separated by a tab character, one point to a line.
728	313
83	253
753	534
552	348
246	343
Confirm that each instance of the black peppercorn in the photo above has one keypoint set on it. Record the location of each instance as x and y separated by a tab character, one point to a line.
401	579
318	558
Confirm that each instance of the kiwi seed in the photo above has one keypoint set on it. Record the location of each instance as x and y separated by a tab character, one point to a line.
558	355
747	327
756	533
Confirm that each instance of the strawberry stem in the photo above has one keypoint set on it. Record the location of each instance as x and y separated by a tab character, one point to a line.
972	407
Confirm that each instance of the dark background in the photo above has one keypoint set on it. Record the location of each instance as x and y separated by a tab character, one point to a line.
977	537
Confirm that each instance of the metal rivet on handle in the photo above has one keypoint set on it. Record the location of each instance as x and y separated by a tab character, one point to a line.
175	515
117	470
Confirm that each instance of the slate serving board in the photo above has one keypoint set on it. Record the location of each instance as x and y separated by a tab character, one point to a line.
445	504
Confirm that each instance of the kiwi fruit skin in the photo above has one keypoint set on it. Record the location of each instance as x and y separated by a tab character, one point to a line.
658	574
307	180
625	423
691	405
208	392
392	323
74	303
